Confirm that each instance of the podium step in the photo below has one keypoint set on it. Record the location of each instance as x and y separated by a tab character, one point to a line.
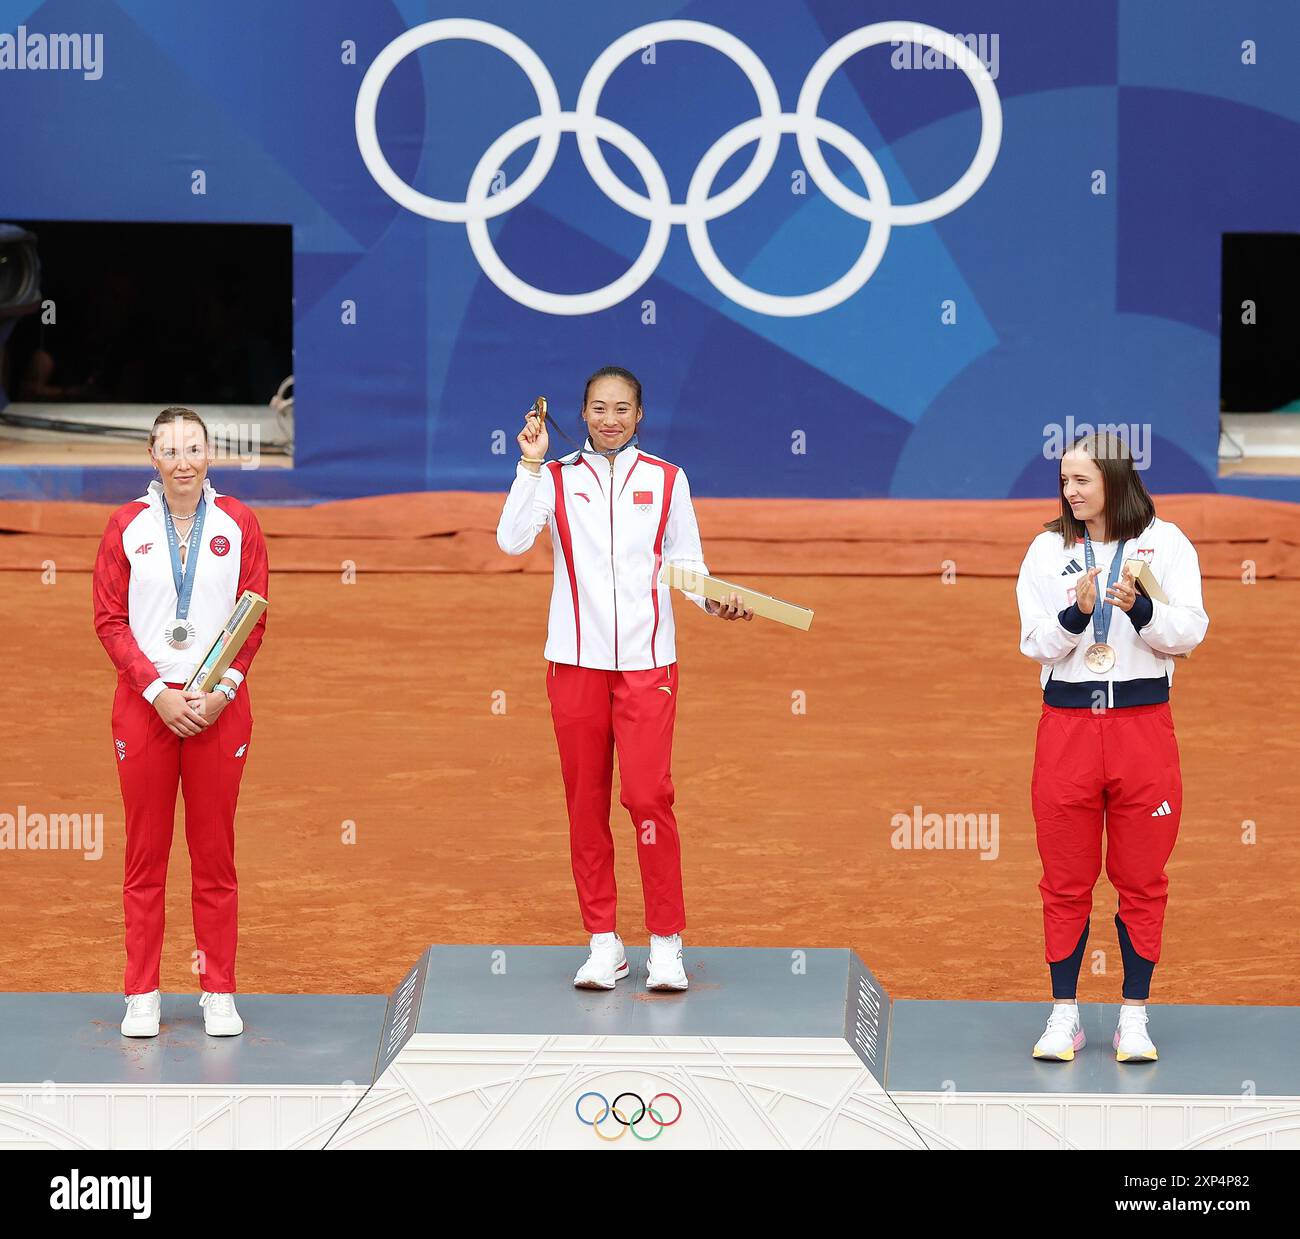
492	1047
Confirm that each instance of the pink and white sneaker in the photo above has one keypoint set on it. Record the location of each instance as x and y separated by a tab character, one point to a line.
1063	1037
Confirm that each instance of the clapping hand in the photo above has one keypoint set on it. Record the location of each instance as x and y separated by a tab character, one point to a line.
1123	593
1085	593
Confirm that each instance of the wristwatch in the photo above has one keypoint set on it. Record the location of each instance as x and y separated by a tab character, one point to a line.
225	690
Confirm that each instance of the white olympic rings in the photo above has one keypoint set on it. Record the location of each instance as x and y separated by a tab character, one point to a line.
657	207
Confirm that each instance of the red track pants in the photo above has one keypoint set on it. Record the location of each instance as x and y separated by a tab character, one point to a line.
1118	767
151	761
594	711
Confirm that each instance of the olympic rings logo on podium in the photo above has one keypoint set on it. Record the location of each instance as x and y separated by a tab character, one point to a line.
701	205
646	1110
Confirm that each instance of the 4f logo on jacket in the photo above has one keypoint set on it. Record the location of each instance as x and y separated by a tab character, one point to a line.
143	548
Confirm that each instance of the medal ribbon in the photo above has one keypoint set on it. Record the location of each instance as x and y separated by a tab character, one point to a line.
1101	613
184	579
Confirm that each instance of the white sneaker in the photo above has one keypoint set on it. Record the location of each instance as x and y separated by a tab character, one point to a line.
1132	1045
143	1011
1063	1036
606	964
220	1019
663	970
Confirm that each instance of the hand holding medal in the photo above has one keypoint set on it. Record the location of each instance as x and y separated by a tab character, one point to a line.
533	440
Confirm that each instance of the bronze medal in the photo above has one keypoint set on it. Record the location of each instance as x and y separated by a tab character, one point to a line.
1099	657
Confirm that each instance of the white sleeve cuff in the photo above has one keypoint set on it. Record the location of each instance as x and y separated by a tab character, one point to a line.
232	674
695	565
153	690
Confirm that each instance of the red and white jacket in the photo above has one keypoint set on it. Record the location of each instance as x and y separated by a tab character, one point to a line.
135	594
612	526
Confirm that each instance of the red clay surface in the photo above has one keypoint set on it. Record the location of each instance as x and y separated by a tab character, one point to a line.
374	705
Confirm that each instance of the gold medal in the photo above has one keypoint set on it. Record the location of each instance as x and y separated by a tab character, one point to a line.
1099	657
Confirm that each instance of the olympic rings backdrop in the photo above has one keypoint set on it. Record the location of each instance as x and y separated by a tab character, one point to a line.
781	227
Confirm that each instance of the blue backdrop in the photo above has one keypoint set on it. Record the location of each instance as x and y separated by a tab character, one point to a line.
1068	303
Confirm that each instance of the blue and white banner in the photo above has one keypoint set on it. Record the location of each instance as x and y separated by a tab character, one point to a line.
848	253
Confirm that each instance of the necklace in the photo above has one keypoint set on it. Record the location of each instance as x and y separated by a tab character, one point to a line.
183	540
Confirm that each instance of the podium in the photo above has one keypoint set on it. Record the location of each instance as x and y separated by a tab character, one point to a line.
490	1047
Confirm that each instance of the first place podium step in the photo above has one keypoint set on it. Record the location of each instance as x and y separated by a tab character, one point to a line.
492	1047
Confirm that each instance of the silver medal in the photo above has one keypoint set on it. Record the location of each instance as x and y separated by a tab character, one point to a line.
179	634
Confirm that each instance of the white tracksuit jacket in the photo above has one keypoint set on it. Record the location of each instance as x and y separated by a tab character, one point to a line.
611	529
1054	633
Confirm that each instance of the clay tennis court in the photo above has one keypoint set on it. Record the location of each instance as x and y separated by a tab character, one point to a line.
413	704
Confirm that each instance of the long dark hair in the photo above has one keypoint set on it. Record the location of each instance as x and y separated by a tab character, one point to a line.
613	372
1128	510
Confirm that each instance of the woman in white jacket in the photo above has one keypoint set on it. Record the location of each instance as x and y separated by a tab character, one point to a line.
616	514
1106	756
